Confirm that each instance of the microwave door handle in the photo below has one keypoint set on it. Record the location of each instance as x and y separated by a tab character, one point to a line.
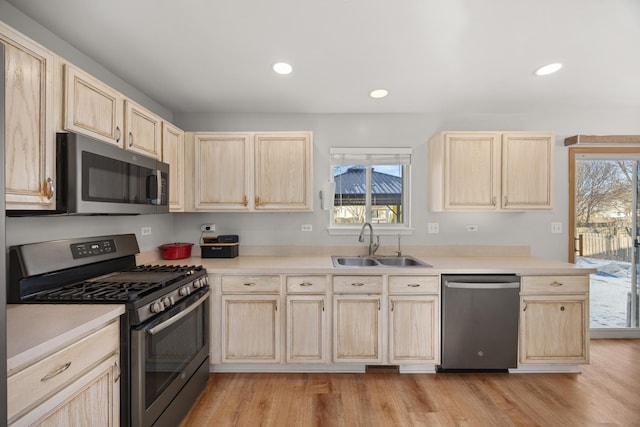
164	325
153	193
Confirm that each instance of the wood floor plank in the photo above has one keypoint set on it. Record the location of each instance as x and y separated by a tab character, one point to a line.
606	393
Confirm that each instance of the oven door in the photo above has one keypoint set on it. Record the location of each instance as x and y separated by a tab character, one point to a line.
165	354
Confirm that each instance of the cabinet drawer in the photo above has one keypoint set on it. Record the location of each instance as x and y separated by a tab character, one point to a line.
37	382
251	284
357	284
414	284
554	284
306	284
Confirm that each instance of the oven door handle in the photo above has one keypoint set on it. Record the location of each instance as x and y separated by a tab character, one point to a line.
162	326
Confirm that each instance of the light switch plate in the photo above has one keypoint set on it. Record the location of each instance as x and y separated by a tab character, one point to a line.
556	227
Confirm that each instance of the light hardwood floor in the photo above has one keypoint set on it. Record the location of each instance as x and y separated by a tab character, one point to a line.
606	393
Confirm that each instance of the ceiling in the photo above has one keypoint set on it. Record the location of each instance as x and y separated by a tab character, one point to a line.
468	56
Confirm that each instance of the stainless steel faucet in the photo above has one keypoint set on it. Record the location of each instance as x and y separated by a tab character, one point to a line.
373	247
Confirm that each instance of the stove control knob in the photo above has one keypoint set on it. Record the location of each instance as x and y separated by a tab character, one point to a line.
167	301
196	283
184	291
157	307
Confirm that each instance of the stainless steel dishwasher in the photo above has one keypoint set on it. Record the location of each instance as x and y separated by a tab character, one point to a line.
480	322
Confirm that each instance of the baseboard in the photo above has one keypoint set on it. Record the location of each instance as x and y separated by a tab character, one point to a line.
265	368
546	369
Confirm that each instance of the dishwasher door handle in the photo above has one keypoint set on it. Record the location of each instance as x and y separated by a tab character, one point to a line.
467	285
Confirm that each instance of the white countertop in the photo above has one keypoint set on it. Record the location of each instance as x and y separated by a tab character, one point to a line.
37	330
520	265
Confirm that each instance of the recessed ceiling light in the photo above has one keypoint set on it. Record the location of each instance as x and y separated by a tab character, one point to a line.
282	68
378	93
548	69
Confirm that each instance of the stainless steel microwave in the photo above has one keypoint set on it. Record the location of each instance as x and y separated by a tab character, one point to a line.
97	178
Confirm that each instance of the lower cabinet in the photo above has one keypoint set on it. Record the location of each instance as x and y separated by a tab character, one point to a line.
357	319
554	320
306	326
414	319
251	320
78	385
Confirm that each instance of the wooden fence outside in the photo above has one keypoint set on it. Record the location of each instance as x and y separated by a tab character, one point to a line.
606	246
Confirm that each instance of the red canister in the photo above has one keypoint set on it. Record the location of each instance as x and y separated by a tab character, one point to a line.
176	250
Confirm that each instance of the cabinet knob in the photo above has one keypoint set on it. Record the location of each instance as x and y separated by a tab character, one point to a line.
49	189
562	308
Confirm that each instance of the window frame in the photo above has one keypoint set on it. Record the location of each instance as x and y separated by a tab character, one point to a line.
370	156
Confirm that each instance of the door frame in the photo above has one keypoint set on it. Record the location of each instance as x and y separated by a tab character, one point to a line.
574	152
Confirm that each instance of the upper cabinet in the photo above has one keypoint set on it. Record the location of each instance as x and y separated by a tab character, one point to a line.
490	171
143	130
244	171
173	154
29	127
90	107
283	171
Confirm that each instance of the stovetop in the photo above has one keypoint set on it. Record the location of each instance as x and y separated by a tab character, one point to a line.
120	286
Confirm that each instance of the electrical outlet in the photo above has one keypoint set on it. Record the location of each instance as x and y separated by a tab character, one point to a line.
306	227
208	228
472	227
433	227
145	231
556	227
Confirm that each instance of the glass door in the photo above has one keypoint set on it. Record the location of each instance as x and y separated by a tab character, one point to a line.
604	208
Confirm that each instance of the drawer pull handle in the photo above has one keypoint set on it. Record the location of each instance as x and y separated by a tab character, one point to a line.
357	284
556	283
250	284
414	285
58	371
305	284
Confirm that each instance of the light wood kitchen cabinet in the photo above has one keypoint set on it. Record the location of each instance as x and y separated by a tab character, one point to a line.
91	107
307	319
251	322
357	319
491	171
283	175
221	171
414	319
554	320
78	385
143	130
173	154
249	171
29	123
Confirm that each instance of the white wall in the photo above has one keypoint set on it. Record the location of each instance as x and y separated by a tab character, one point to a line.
406	130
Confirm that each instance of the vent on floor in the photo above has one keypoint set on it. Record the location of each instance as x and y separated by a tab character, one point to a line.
393	369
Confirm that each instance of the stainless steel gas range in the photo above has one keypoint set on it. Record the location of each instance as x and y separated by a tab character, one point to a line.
164	332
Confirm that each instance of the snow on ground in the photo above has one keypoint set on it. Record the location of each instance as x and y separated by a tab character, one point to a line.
609	292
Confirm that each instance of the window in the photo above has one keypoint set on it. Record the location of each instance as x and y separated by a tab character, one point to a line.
371	185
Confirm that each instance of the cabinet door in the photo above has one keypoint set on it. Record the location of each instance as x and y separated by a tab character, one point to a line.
527	171
472	171
251	329
554	329
283	175
143	130
357	328
91	107
414	328
222	172
173	154
29	128
306	329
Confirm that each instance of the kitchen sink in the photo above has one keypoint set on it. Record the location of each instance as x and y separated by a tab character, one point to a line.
377	261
